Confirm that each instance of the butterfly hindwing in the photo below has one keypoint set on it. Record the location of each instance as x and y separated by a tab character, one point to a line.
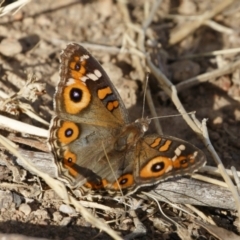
160	157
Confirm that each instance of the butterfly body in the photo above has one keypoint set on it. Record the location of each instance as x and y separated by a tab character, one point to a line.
93	142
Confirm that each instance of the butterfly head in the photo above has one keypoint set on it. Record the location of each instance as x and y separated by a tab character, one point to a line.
143	123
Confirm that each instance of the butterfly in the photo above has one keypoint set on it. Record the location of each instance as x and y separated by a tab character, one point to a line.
94	144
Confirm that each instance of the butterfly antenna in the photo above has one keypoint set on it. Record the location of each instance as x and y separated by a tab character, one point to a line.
144	94
173	115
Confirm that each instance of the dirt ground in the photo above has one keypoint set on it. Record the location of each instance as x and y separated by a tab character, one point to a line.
31	40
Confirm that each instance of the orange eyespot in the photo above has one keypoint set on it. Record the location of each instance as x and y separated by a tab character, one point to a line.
69	160
77	68
68	132
183	161
124	181
95	186
76	96
156	167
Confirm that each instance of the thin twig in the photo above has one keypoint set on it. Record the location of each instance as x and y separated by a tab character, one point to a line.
218	27
151	15
236	178
153	112
210	54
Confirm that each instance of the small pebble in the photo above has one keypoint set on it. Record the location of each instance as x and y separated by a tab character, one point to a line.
43	214
28	21
17	199
25	208
67	209
237	114
217	120
105	7
10	47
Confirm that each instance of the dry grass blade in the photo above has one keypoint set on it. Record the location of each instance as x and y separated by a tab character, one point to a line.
6	122
13	6
218	27
236	178
209	180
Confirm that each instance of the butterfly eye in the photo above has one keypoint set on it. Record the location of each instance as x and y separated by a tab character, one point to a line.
76	94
